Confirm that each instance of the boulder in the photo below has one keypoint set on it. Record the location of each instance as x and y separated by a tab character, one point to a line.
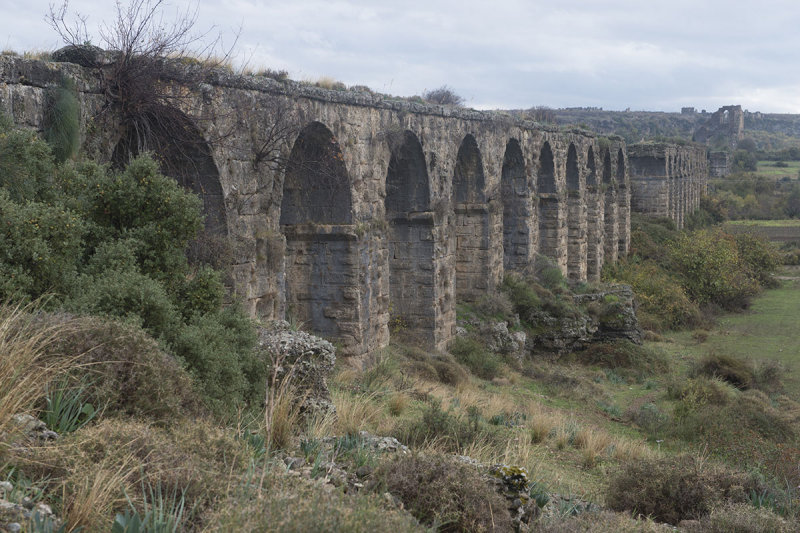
304	359
615	315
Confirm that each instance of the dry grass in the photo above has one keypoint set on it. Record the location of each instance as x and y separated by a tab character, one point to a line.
326	82
356	412
398	402
24	374
90	500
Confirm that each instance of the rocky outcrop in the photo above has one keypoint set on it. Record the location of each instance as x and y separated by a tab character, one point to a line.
615	315
304	359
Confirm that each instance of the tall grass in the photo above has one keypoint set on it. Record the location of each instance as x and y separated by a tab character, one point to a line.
24	372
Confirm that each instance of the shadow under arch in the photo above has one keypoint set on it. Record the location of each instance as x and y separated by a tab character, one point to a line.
594	219
610	238
321	257
549	205
517	209
576	219
183	154
478	258
413	264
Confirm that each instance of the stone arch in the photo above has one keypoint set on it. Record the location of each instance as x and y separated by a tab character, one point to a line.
468	178
594	219
316	187
411	243
623	206
576	219
322	262
549	206
611	237
517	209
183	154
478	262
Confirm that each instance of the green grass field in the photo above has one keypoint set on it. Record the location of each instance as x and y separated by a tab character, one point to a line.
768	169
790	222
770	329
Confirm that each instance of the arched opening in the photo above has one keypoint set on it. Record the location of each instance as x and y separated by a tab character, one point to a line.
623	207
610	240
412	272
517	209
594	220
576	219
183	154
549	205
476	257
322	261
316	188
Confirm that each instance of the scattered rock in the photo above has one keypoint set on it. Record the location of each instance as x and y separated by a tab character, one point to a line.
33	429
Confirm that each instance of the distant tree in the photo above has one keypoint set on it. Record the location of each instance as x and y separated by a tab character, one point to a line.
747	144
444	95
744	161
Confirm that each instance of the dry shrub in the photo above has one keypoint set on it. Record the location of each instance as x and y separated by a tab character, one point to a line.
603	522
737	372
740	518
676	488
439	491
623	354
279	503
98	462
128	372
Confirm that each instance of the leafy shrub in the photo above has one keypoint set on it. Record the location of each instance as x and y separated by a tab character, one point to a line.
26	165
495	304
441	492
41	246
676	488
471	353
446	428
521	294
712	270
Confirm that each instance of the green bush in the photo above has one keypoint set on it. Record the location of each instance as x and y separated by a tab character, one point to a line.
127	372
711	269
113	243
472	354
41	247
218	349
446	494
26	165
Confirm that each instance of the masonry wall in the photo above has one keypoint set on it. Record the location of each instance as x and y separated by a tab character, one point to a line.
667	180
350	257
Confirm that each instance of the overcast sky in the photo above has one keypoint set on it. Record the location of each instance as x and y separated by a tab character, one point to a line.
615	54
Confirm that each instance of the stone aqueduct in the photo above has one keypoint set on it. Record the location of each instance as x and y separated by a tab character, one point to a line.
387	210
